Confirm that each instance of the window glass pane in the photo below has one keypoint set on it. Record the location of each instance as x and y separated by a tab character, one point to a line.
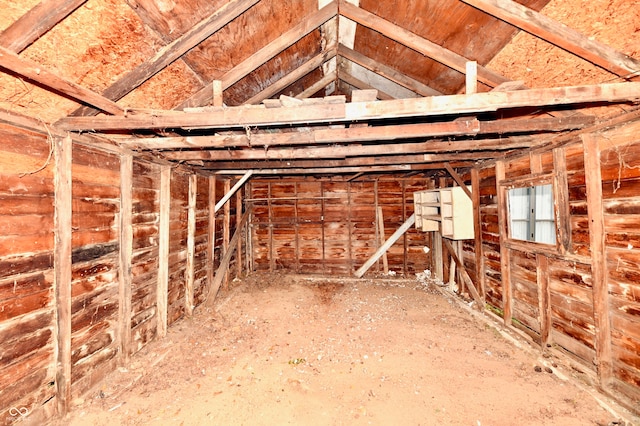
531	214
519	213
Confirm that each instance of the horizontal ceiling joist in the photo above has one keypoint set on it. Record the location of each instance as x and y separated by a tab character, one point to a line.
417	43
287	39
172	52
309	136
560	35
405	168
243	117
351	150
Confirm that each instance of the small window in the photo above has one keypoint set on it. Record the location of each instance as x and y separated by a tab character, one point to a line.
531	215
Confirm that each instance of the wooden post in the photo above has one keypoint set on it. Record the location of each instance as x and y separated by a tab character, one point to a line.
464	273
561	200
272	262
477	229
381	232
505	261
191	245
239	247
392	239
163	250
226	229
62	269
544	298
212	231
597	239
126	250
471	79
218	99
349	228
297	229
438	258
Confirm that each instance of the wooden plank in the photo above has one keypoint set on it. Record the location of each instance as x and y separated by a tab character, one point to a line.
34	72
36	22
230	191
239	243
386	71
417	43
458	180
560	35
218	93
544	299
226	227
292	77
317	86
263	55
211	231
191	246
381	232
224	262
384	247
597	239
361	85
464	273
125	258
172	52
471	77
163	250
477	229
63	269
505	253
242	116
561	200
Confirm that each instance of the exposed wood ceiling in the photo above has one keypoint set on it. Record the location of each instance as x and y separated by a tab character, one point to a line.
220	64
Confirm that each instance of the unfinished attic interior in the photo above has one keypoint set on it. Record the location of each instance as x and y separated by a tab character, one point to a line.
154	153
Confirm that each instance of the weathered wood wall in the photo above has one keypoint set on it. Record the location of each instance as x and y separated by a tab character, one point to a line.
329	226
565	295
115	263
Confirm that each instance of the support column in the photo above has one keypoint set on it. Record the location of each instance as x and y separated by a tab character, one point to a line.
126	250
505	261
163	250
191	251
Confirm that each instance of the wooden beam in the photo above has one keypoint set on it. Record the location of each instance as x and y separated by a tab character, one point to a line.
240	117
359	84
229	193
224	262
35	73
387	72
458	180
173	51
126	253
36	22
226	227
218	93
560	35
544	299
211	233
317	86
384	247
471	77
417	43
477	230
561	200
505	253
239	242
381	232
306	25
464	274
325	135
191	245
164	223
62	270
292	77
345	170
598	244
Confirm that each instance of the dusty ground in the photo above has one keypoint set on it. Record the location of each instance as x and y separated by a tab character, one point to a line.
279	350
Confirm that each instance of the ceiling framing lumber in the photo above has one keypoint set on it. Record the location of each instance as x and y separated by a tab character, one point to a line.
386	71
317	86
32	71
361	85
307	25
172	52
468	127
292	77
560	35
417	43
36	22
348	170
241	117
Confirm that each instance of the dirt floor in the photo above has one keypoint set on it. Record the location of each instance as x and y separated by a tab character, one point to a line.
278	350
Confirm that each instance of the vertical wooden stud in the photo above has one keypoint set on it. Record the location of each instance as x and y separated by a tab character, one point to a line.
218	92
505	261
477	230
405	243
544	298
471	79
597	238
296	228
379	236
438	258
163	250
349	229
535	161
561	200
239	246
226	229
211	267
381	232
62	270
272	261
191	245
324	263
126	250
